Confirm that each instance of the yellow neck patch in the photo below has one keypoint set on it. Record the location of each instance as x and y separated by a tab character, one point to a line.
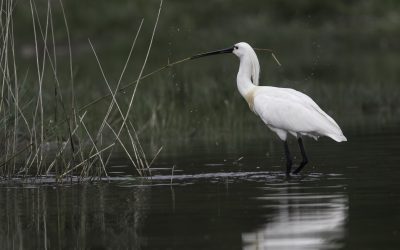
249	97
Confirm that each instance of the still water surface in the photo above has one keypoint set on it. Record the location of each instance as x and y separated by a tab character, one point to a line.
347	198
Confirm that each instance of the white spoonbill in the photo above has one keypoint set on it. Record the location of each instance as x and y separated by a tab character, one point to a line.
284	110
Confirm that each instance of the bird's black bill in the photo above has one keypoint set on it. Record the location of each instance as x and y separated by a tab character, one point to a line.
222	51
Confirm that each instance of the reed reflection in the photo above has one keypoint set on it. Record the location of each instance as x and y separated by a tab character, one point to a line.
75	217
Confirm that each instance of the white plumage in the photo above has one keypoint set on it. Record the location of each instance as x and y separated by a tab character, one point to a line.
284	110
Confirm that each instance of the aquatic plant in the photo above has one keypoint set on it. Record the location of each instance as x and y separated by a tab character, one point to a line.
44	134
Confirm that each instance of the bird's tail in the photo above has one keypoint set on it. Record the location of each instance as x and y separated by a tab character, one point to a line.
337	137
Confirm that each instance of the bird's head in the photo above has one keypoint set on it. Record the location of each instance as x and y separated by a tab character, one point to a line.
239	49
242	50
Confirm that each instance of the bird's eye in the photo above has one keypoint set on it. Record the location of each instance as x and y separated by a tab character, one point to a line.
235	47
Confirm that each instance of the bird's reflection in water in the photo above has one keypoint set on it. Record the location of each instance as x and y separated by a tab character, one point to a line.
304	219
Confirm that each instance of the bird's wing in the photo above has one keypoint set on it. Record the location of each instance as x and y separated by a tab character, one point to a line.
308	101
282	109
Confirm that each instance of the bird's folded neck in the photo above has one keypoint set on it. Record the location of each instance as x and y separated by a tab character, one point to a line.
246	76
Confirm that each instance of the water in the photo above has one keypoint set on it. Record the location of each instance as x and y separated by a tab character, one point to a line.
347	198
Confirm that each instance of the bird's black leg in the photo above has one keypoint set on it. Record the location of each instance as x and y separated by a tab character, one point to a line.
303	154
288	158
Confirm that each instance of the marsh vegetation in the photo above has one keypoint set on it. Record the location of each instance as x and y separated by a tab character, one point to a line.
42	135
57	57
